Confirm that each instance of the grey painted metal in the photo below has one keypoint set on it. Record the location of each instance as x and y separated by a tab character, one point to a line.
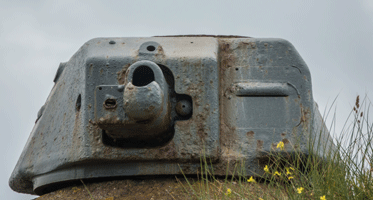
154	106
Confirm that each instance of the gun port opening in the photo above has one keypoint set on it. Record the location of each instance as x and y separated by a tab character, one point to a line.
142	76
110	103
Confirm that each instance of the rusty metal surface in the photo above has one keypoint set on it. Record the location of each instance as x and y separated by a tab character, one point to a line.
230	99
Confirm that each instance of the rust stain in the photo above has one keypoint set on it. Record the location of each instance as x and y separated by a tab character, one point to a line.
259	145
226	56
250	134
151	108
227	134
160	53
196	91
76	140
167	152
226	61
200	120
110	119
251	45
121	75
107	150
285	141
229	92
201	131
189	138
305	116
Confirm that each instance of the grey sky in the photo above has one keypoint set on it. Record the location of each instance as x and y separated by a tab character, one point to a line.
335	38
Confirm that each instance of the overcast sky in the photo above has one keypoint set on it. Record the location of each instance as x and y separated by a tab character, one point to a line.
335	38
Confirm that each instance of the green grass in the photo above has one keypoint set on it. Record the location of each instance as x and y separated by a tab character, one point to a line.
344	173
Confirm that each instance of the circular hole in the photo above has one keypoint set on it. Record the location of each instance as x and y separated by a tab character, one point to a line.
110	103
150	48
100	88
142	76
191	42
183	106
236	69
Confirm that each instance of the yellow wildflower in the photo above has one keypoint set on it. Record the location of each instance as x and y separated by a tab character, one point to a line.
266	169
290	177
291	168
277	173
280	145
287	171
229	192
323	198
251	180
260	198
300	190
75	189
